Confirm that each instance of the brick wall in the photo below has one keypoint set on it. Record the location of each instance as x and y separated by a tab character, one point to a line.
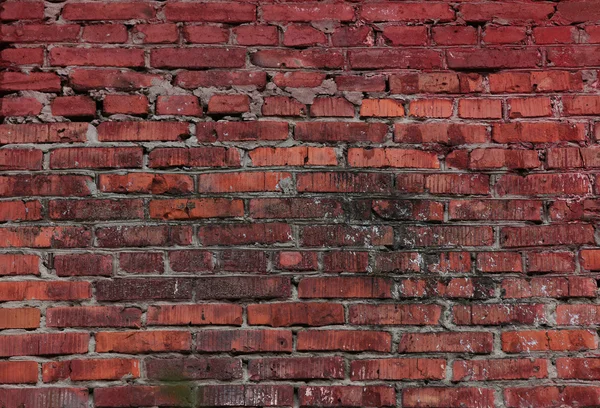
351	203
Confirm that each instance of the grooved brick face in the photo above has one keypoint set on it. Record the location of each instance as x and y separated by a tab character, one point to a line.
299	204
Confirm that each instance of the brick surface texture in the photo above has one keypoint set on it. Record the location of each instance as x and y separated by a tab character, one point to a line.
309	203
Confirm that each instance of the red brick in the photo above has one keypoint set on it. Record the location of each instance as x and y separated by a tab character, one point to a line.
178	105
150	183
496	262
344	340
143	342
183	209
211	12
220	79
243	260
464	342
191	261
487	59
405	35
495	210
336	107
96	57
117	11
454	35
558	287
448	397
340	131
543	184
239	234
194	157
389	157
18	372
504	35
242	131
345	261
480	108
434	82
398	262
21	159
282	106
294	208
237	182
347	396
96	157
570	56
297	35
143	235
345	287
45	237
344	182
43	133
91	370
440	12
83	264
205	34
140	262
295	314
431	108
131	395
581	105
371	83
550	262
507	12
297	261
84	79
495	315
291	59
125	104
155	33
173	369
19	264
414	315
577	315
546	235
142	131
381	108
450	262
398	369
35	81
205	314
338	235
352	37
381	58
298	79
296	368
459	288
19	106
145	288
256	35
451	134
44	290
405	210
19	318
196	57
45	397
308	12
105	34
242	287
578	368
22	10
44	344
499	369
93	316
548	340
244	341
